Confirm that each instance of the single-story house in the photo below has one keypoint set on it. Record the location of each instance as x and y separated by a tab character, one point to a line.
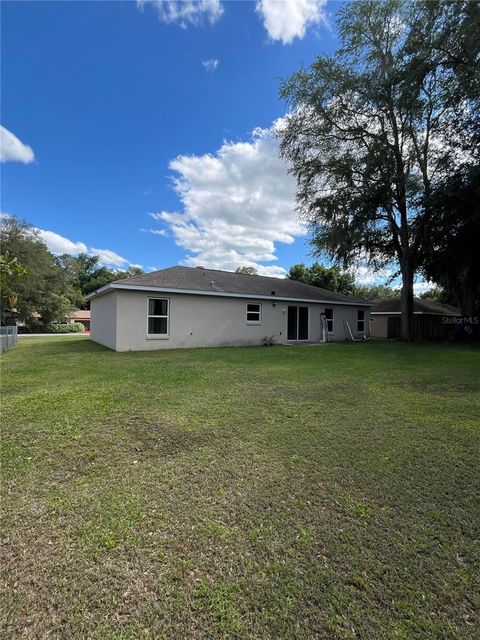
198	307
431	319
79	315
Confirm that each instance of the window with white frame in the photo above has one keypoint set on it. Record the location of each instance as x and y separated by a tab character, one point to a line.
254	313
158	317
361	321
329	319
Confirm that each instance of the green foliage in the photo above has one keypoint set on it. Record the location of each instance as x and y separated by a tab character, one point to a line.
44	289
11	271
39	287
85	274
374	291
452	256
374	126
331	278
65	327
249	271
438	294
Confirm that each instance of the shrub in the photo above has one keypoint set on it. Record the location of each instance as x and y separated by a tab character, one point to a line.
22	329
62	327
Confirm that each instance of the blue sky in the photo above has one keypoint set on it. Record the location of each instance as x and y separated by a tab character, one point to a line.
142	131
101	97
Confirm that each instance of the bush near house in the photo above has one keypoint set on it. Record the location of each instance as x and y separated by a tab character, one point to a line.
66	327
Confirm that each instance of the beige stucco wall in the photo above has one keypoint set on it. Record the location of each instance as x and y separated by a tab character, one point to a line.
202	321
379	326
103	320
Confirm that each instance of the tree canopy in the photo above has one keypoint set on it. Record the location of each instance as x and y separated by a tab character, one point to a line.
373	128
40	287
331	278
86	274
452	256
249	271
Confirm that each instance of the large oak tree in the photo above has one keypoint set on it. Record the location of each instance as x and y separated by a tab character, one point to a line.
375	126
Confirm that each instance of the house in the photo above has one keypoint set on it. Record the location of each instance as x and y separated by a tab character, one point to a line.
79	315
197	307
431	319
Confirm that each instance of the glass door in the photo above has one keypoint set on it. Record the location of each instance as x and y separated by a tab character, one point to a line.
297	323
292	329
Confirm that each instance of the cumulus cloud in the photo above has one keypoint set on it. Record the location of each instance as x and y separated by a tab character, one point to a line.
58	244
210	65
186	12
286	20
236	204
107	256
12	149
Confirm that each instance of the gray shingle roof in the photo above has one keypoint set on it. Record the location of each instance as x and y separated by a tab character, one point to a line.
392	305
224	282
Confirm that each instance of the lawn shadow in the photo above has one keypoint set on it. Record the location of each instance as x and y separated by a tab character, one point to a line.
55	346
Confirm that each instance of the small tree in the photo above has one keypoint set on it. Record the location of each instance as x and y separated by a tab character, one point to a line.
331	278
41	288
249	271
374	291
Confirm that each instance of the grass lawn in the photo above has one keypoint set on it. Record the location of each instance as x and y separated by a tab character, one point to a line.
273	493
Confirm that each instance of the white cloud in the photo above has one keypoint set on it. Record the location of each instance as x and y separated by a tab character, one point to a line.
107	256
422	286
237	204
366	275
156	232
58	244
286	20
185	12
12	149
210	65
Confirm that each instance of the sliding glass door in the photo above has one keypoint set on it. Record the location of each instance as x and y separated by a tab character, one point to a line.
297	323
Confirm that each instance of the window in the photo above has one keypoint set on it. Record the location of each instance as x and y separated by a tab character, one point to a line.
254	314
158	320
361	321
329	319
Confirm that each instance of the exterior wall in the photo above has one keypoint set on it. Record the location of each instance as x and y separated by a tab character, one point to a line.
205	321
103	319
379	326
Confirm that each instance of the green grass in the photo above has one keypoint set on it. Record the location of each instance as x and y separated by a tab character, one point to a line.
274	493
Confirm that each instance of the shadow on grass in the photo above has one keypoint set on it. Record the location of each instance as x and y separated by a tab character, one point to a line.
55	345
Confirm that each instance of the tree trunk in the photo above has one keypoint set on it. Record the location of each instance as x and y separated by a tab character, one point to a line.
406	301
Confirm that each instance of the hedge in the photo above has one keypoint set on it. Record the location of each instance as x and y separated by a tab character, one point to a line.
75	327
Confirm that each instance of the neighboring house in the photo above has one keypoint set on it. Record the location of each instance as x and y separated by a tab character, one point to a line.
431	319
198	307
79	315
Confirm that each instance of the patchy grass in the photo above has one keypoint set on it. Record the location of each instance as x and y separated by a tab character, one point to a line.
275	493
